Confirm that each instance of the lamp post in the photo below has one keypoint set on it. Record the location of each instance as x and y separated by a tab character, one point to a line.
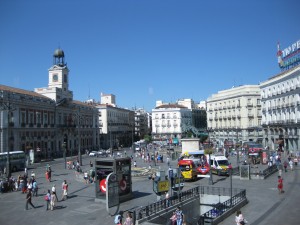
78	117
64	145
8	106
237	147
230	171
79	140
208	152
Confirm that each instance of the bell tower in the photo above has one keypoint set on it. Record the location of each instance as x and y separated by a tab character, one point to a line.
59	76
58	79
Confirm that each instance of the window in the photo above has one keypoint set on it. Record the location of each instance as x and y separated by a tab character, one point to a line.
23	117
45	118
65	78
38	117
31	120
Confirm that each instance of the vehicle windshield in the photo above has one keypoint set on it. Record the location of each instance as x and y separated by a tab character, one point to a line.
223	162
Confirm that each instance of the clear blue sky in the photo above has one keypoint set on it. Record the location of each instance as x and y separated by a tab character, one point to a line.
145	50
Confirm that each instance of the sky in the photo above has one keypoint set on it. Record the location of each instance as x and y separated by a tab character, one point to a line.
145	50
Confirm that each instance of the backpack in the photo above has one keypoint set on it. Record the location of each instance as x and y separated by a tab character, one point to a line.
117	219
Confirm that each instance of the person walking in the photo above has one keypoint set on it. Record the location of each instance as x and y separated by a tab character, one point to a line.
285	165
53	190
28	199
179	216
280	184
65	187
52	201
291	164
35	188
167	199
48	200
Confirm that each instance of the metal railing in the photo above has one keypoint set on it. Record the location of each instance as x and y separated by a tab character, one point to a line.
221	208
154	208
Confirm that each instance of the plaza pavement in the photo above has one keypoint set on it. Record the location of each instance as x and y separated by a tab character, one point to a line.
265	205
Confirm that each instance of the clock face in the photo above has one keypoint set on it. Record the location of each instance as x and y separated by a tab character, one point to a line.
55	78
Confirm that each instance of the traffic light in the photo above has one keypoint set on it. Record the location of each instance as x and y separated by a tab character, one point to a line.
66	141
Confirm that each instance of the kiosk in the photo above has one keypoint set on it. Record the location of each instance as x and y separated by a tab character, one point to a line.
122	168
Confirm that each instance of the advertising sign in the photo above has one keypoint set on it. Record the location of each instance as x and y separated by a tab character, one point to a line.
163	186
112	190
289	57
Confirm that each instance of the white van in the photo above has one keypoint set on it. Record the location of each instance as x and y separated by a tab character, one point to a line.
219	164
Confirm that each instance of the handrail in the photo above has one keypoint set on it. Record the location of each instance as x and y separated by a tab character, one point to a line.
154	208
220	208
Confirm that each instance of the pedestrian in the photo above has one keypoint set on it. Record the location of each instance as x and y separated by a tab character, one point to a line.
179	216
65	190
239	219
167	199
53	190
285	165
168	160
128	220
291	165
48	199
91	164
296	161
28	199
35	188
134	163
173	219
49	173
85	177
280	184
52	201
118	218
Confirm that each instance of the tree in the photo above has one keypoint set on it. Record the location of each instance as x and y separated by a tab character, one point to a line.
147	138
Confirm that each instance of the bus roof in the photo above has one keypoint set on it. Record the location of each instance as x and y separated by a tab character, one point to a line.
200	152
11	152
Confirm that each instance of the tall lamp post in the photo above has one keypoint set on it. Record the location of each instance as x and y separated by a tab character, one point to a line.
78	117
237	146
64	145
8	106
208	152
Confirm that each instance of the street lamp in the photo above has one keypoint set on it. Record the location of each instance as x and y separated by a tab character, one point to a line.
64	146
237	147
208	152
78	117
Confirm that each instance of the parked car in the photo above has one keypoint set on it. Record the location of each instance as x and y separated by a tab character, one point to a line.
93	153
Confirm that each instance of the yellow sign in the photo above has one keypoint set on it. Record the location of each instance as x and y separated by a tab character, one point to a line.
163	186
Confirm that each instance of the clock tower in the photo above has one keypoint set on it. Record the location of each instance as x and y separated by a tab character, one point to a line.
58	84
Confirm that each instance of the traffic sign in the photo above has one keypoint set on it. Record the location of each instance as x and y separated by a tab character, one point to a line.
102	185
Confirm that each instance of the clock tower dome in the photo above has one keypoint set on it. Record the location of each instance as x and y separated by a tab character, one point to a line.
58	84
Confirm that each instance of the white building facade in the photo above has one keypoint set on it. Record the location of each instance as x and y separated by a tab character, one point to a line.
280	98
234	116
44	119
116	125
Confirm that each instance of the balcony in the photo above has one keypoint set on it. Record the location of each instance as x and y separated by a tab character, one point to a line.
250	115
249	104
45	125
